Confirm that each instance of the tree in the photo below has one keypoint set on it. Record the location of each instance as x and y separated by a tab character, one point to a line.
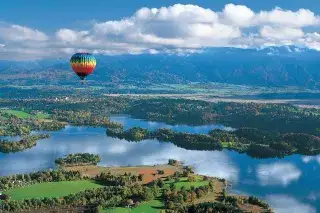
170	205
173	162
200	193
160	172
147	194
193	196
160	183
191	178
140	177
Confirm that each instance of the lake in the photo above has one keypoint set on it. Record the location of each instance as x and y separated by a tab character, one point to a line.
290	184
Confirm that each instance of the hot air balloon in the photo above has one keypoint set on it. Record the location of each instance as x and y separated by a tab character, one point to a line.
83	64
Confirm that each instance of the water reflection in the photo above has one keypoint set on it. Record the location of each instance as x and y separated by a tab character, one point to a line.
289	183
308	159
287	204
129	123
114	152
277	173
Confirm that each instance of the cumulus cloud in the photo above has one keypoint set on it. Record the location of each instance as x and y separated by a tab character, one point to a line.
287	204
281	33
243	16
21	33
277	173
174	29
71	36
300	18
239	15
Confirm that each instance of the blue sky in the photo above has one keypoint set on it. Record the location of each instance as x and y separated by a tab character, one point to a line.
49	15
40	29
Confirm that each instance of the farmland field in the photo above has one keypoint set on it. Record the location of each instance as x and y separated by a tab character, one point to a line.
184	182
52	189
149	172
153	206
24	115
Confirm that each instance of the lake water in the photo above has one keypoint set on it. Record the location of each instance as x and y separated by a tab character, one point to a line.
290	185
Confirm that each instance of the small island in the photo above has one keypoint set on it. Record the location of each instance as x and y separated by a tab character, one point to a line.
79	159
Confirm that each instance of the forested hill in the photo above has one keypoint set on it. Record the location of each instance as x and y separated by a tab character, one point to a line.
281	66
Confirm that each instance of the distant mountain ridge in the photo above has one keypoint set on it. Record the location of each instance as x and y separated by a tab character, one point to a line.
272	66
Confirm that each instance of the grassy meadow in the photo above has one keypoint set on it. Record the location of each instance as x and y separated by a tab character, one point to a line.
24	115
51	189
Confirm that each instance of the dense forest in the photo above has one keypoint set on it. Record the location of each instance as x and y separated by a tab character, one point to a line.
262	130
254	142
270	117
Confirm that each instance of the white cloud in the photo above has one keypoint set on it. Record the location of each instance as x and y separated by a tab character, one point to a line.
243	16
71	36
175	29
281	33
239	15
21	33
300	18
277	174
287	204
178	13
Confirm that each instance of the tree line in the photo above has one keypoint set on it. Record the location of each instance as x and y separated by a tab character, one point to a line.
256	143
20	180
284	118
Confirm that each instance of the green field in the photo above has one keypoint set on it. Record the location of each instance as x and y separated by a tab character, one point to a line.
184	182
153	206
24	115
19	114
52	189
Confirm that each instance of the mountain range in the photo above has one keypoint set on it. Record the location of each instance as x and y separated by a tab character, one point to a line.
272	66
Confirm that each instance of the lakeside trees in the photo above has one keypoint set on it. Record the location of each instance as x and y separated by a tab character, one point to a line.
256	143
282	118
84	118
108	179
20	180
25	143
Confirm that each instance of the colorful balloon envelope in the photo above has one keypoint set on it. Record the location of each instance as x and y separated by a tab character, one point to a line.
83	64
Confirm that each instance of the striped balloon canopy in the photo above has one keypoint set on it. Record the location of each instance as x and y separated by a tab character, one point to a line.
83	64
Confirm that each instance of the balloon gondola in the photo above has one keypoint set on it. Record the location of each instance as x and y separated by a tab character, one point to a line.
83	64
